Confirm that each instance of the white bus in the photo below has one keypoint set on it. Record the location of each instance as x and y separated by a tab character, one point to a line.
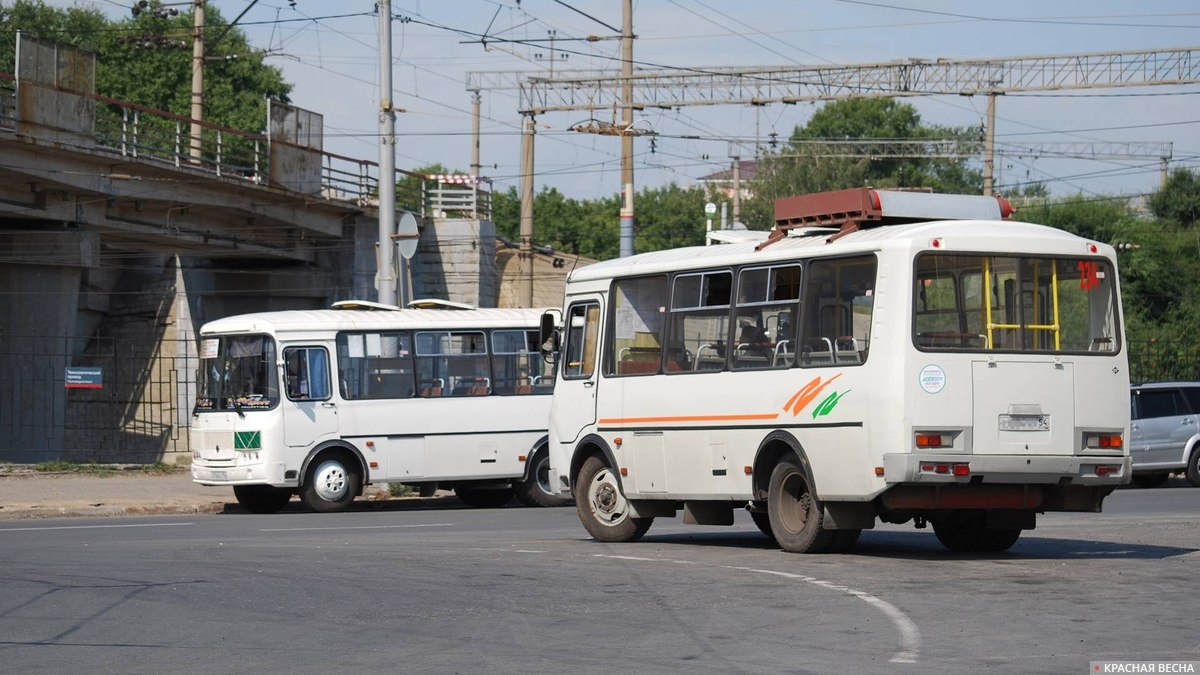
321	403
882	356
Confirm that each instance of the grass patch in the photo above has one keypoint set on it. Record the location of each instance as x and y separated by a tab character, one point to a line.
103	470
158	469
400	490
56	466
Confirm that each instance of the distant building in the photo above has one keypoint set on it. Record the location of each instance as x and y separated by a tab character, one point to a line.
550	270
720	184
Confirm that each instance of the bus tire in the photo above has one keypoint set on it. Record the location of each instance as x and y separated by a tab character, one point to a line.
262	498
763	520
843	541
602	508
967	533
796	514
1151	480
483	498
331	484
536	490
1193	468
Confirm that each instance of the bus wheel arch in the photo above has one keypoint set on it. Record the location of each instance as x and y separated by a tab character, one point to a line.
534	488
332	476
600	497
589	446
773	448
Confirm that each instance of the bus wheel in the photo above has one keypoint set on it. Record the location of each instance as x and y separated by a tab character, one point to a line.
763	520
968	534
843	540
262	498
331	485
536	490
1151	480
484	498
795	512
602	508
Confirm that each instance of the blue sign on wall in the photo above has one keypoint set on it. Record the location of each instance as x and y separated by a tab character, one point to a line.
84	378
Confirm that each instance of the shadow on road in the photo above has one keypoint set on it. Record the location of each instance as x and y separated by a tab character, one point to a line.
925	546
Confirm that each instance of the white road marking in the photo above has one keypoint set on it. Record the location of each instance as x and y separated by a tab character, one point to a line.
356	527
910	637
89	527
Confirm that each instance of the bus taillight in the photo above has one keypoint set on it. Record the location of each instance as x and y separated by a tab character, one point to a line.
960	469
1104	441
929	440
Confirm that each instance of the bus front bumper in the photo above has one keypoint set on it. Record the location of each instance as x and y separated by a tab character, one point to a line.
259	473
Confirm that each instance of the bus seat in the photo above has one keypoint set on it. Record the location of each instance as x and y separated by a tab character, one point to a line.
432	388
632	367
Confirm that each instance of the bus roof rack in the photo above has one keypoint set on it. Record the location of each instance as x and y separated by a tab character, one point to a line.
362	304
434	303
858	208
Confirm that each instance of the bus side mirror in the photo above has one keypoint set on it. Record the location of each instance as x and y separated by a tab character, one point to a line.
548	333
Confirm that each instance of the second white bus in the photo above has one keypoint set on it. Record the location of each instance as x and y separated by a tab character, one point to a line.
321	403
927	362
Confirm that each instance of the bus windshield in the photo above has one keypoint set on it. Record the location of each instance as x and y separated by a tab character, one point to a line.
1014	303
237	372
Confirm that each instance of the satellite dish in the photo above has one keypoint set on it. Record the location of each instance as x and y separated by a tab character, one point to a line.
406	234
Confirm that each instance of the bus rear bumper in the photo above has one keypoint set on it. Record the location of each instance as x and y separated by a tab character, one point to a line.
959	469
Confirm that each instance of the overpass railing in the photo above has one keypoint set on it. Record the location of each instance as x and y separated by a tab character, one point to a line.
157	137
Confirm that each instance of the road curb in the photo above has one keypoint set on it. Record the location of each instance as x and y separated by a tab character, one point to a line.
44	512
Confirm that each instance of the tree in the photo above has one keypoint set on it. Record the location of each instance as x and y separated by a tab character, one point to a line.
1178	200
668	217
235	87
797	169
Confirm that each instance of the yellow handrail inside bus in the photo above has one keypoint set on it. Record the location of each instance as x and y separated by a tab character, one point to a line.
1054	291
987	298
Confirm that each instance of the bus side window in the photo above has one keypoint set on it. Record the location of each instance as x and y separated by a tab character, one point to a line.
837	311
307	375
583	330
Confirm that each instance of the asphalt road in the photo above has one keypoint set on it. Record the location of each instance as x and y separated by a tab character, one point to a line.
517	590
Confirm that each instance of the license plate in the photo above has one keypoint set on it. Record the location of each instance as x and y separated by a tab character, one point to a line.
1024	423
219	475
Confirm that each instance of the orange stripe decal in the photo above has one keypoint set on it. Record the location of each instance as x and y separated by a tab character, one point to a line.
807	394
689	418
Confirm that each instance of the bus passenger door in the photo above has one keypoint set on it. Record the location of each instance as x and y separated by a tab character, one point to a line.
575	395
309	411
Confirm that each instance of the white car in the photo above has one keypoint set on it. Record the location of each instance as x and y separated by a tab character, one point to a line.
1164	431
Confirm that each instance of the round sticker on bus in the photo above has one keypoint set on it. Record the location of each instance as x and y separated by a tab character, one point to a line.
933	379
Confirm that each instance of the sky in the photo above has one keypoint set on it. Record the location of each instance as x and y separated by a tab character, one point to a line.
329	51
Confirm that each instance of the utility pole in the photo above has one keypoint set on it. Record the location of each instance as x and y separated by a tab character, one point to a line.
627	218
476	99
737	189
989	146
525	250
387	160
197	78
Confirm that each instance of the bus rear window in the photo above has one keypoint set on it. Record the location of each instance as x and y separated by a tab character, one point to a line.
1014	303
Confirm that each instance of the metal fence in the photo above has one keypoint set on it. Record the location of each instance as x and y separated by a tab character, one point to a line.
1160	360
139	414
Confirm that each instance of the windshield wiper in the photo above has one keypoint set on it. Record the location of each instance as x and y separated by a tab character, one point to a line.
237	407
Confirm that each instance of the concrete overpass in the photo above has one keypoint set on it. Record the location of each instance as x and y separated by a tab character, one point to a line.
116	245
